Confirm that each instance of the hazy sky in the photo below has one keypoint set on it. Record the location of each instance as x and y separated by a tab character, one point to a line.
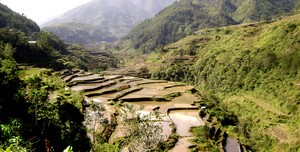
42	10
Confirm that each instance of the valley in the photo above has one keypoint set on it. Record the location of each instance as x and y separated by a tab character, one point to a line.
126	75
111	20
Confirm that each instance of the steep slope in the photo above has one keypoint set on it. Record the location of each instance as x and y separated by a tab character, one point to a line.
258	10
115	16
13	20
184	17
250	71
27	105
22	39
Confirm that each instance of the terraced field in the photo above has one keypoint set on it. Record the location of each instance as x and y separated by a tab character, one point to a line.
175	102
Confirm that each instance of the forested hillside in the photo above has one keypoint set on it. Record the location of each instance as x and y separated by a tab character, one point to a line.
29	119
185	17
34	47
250	71
245	80
13	20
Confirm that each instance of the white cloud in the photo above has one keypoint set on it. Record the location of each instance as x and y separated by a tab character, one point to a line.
42	10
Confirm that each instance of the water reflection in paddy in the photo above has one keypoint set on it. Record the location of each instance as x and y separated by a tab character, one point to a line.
151	90
182	145
84	86
148	105
184	120
88	77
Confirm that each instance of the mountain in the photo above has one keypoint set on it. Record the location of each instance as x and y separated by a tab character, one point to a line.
185	17
13	20
22	39
73	32
117	17
247	76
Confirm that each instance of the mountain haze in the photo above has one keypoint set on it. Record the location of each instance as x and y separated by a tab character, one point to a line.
22	40
184	17
117	17
74	32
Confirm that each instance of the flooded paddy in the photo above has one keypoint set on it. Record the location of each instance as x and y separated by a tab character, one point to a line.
184	120
172	100
182	145
86	78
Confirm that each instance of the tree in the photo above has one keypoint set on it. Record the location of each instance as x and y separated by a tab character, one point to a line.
142	132
58	122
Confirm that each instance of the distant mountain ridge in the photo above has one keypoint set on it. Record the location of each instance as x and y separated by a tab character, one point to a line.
117	17
186	16
72	32
22	40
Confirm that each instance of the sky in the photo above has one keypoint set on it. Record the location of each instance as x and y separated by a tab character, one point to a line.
41	11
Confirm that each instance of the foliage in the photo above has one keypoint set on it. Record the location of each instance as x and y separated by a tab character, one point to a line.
9	83
248	78
68	149
169	144
58	120
47	113
185	17
106	147
42	49
203	139
141	131
97	123
14	148
13	20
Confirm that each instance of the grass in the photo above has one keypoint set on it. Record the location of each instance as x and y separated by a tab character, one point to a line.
264	105
253	70
203	141
28	72
259	119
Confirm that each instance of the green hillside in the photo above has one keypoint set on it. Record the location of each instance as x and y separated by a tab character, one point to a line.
30	46
251	71
245	80
12	20
29	119
185	17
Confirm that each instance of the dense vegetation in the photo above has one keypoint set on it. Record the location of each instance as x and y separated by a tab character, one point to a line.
247	75
248	71
37	112
47	50
186	16
13	20
42	49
